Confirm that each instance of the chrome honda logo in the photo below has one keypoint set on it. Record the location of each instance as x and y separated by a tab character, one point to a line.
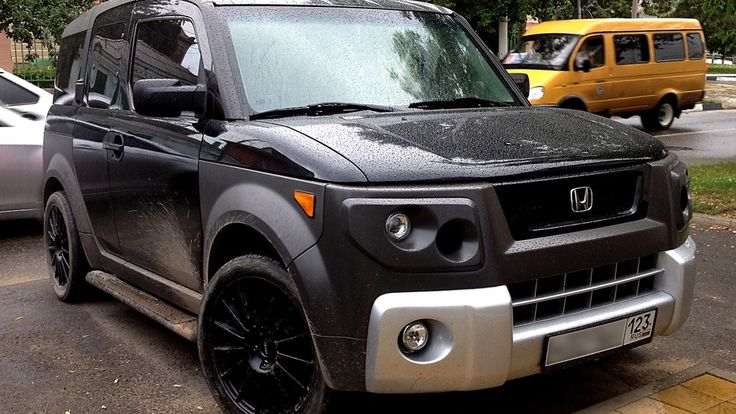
581	199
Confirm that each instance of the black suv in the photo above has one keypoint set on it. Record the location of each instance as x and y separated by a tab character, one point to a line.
350	196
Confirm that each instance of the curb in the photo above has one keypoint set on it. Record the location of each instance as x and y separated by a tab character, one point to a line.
714	106
707	220
657	386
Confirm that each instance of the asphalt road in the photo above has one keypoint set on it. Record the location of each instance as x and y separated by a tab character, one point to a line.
699	137
102	356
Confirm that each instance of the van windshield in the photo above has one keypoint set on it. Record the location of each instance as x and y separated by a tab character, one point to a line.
547	51
290	57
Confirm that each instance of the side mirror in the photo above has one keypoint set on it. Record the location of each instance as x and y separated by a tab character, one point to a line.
167	97
522	82
79	92
582	63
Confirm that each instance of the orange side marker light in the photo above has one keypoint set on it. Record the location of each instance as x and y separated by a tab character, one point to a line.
306	202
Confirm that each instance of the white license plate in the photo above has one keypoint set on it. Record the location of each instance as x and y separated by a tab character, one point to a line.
581	343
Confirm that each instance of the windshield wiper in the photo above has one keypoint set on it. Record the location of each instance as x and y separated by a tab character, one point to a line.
326	108
466	102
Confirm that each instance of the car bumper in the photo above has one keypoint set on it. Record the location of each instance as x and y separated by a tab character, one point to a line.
474	344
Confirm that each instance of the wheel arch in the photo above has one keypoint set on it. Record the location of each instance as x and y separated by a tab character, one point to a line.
573	102
59	176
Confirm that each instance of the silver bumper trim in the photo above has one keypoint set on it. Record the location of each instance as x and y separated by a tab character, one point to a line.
473	343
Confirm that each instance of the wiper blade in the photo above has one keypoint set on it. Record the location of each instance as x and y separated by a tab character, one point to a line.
466	102
326	108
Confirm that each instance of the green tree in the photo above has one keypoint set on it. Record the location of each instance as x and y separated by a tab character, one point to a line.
718	18
44	20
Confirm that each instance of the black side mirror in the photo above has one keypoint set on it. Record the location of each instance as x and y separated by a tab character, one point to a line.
167	97
582	64
522	82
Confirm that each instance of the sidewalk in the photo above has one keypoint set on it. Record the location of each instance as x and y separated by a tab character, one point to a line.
699	389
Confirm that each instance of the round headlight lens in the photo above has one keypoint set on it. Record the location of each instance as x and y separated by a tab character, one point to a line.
536	93
398	226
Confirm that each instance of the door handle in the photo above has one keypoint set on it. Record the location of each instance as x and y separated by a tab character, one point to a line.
115	143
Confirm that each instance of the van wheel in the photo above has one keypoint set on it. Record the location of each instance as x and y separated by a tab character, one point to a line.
661	117
64	254
254	343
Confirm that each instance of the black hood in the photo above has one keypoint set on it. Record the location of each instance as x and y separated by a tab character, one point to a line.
477	143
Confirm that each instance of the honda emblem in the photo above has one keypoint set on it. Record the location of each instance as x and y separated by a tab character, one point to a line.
581	199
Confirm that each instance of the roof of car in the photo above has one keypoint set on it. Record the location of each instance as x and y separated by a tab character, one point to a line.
82	22
585	26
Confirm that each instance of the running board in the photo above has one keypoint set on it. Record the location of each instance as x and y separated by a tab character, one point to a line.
173	318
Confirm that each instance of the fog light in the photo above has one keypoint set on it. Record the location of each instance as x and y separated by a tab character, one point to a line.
398	226
414	337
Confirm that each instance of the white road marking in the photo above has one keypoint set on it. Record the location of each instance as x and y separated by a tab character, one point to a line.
696	132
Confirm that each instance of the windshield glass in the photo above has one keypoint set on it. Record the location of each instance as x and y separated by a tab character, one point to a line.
298	56
547	51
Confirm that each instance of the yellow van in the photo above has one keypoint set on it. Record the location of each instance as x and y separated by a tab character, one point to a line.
649	67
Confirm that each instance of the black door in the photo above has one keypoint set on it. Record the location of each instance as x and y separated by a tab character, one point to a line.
93	130
154	183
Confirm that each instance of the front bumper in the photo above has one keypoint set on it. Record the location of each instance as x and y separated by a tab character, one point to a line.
474	344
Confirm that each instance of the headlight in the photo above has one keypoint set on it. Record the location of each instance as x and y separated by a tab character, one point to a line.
536	92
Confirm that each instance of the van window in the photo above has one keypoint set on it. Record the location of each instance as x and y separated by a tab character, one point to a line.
594	50
668	47
108	48
631	49
166	49
694	46
68	67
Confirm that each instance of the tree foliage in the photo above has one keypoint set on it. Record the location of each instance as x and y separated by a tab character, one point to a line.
718	18
44	20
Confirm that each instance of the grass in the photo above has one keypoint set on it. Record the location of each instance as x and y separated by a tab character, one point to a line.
714	189
716	68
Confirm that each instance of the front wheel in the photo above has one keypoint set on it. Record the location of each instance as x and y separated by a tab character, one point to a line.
661	117
254	343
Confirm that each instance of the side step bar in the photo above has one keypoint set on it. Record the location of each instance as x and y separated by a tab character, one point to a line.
180	322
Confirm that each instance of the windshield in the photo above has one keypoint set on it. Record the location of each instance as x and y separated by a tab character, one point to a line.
298	56
547	51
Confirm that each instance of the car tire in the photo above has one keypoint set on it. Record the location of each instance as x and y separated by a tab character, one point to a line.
661	117
254	343
64	253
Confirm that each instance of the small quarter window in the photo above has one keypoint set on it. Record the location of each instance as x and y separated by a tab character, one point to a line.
631	49
108	47
68	67
668	47
694	46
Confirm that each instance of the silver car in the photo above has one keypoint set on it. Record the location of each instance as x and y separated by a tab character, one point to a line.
21	162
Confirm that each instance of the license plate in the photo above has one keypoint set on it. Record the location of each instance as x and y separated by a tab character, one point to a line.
625	332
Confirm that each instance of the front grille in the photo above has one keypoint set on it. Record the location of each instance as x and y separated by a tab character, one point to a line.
553	296
543	207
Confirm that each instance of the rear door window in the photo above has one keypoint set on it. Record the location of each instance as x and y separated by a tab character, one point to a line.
694	46
631	49
14	94
68	67
668	47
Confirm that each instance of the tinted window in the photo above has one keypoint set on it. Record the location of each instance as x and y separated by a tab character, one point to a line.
108	48
68	67
13	94
694	46
594	50
631	49
166	49
668	46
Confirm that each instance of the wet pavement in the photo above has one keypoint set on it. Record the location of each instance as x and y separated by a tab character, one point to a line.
57	357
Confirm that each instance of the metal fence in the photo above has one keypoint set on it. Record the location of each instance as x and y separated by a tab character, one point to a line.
37	53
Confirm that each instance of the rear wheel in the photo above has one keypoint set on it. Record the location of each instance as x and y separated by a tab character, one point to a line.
254	343
64	255
661	117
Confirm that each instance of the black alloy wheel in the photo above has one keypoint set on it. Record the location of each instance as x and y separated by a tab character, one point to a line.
255	346
64	255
